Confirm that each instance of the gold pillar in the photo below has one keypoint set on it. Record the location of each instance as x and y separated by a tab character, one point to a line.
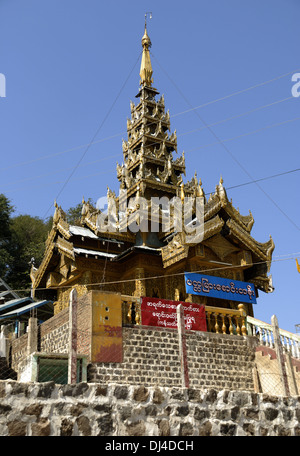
140	286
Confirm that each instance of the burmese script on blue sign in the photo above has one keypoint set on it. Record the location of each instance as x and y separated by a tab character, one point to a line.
218	287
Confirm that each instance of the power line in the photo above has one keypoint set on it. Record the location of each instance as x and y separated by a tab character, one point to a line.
172	116
95	135
264	178
234	93
277	124
230	153
182	134
169	275
237	116
206	193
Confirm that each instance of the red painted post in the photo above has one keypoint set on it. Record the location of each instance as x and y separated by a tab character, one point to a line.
72	362
182	346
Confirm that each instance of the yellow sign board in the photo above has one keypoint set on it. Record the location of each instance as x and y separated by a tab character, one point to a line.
107	344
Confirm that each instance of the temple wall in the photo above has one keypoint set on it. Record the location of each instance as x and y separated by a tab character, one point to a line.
150	355
46	409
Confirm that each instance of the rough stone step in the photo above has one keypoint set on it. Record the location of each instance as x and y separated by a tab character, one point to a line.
5	371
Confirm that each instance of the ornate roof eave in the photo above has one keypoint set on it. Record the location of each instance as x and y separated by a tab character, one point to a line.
59	225
263	283
137	122
65	247
212	227
147	87
262	250
169	141
220	200
39	273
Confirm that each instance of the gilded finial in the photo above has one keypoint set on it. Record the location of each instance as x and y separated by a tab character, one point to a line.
182	192
146	67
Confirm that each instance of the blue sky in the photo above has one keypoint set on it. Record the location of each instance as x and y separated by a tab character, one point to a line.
72	67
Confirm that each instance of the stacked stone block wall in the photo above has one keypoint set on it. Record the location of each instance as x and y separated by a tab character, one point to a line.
54	333
151	356
46	409
18	350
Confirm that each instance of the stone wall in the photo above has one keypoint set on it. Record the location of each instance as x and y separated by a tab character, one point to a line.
151	356
54	335
46	409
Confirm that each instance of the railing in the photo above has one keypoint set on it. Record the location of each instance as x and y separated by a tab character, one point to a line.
131	310
264	331
219	319
227	321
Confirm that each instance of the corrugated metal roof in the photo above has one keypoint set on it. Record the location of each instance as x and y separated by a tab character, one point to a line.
93	252
21	310
14	302
81	231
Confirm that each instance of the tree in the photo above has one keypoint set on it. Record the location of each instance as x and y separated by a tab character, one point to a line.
22	243
6	210
28	236
73	214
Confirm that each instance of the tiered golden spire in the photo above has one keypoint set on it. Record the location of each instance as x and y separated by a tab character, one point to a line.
146	67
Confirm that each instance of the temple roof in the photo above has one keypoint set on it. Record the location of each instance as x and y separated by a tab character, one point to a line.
149	169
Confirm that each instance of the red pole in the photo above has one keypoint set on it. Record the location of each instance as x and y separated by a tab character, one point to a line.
72	364
182	346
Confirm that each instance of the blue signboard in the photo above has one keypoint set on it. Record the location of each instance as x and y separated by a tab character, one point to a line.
218	287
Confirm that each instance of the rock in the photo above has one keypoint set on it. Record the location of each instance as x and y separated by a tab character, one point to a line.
186	429
200	414
66	428
121	392
163	428
136	429
83	424
271	414
17	428
158	396
140	394
33	409
205	429
41	428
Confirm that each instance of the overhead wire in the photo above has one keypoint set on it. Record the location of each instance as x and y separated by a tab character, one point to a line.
277	124
209	270
219	141
172	116
182	134
95	134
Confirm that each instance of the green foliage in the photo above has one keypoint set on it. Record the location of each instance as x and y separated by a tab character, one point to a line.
28	236
6	210
22	243
73	214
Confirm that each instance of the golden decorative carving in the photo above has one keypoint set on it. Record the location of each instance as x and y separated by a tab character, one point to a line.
146	67
65	247
175	251
149	169
220	246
